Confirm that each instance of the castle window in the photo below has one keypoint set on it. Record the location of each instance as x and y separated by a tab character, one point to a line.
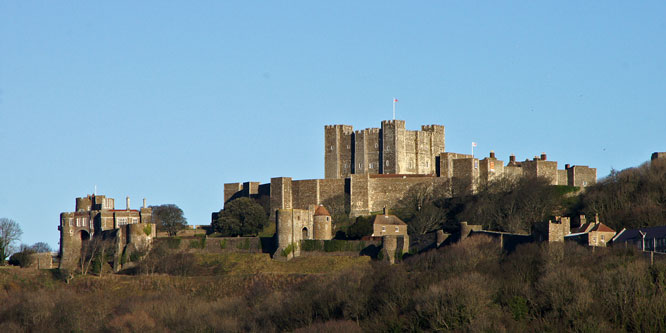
427	164
360	165
584	183
397	229
347	146
376	145
331	148
383	229
387	163
370	165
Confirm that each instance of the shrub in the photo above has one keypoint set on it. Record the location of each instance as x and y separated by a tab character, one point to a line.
24	258
173	243
223	244
362	227
198	244
335	245
148	229
311	245
289	249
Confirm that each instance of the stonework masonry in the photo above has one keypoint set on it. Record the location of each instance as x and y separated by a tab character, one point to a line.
374	168
390	149
96	216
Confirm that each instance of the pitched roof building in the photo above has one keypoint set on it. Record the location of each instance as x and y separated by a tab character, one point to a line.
592	233
646	239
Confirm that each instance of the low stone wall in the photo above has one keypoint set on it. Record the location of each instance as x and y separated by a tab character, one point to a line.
42	260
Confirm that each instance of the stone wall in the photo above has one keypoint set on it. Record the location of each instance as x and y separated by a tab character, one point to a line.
305	192
293	225
490	169
281	197
387	191
338	151
581	176
658	155
390	142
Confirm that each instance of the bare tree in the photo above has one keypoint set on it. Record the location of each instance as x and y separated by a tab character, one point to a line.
41	247
418	208
92	250
10	232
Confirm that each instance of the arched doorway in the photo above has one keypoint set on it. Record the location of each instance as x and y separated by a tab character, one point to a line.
84	235
305	233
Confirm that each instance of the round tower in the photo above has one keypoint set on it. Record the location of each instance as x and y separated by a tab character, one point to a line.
322	224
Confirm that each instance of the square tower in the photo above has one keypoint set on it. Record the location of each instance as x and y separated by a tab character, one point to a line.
338	147
393	147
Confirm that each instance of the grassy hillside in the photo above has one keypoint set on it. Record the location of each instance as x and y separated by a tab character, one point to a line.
468	286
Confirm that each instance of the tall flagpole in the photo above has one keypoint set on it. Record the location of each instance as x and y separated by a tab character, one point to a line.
394	100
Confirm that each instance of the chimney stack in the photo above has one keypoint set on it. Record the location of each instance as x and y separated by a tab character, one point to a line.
492	154
128	205
384	210
512	158
144	202
543	156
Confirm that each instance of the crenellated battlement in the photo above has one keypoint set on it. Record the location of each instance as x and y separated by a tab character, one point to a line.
389	149
372	130
431	128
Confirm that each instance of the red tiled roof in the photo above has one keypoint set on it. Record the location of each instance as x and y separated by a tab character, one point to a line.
592	226
602	227
321	211
388	219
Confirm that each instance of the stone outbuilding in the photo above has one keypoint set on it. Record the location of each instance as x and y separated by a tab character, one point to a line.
592	233
646	239
391	228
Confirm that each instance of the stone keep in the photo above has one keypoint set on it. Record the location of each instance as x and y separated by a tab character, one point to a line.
390	149
374	168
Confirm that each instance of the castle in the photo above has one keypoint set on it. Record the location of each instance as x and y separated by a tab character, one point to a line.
96	217
384	163
374	168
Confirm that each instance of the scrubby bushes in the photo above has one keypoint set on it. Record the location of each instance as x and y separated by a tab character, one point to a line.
470	286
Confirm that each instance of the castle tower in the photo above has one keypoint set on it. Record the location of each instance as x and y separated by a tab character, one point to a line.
393	148
367	149
338	146
322	224
428	149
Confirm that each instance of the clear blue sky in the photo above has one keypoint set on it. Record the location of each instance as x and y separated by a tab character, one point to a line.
170	100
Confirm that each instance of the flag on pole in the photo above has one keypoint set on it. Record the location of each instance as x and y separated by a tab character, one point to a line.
395	100
473	144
